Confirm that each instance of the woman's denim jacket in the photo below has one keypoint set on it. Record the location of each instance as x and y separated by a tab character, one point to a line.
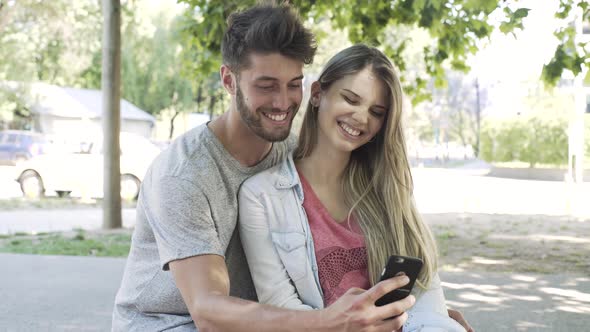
279	247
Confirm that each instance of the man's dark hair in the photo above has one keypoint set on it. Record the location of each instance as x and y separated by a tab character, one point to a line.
266	28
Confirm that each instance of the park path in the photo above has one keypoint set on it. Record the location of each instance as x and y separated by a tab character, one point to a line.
65	293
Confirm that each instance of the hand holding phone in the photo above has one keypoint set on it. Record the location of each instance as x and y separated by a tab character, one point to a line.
398	265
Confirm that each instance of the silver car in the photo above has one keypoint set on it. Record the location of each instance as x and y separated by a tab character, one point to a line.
81	173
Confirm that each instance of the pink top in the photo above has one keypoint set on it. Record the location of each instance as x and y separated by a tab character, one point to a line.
340	250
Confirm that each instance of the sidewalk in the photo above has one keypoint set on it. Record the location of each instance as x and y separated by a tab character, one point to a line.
57	220
61	293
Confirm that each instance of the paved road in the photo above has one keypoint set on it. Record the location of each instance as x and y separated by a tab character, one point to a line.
53	220
436	191
60	293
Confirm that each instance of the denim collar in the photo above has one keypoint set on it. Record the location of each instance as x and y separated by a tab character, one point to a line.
288	177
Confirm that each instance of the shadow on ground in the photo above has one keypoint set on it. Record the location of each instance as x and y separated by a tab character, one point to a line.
512	243
519	302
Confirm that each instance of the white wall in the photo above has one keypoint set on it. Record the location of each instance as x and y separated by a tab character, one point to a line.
72	127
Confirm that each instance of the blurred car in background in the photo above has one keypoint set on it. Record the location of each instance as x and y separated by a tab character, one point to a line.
19	145
81	172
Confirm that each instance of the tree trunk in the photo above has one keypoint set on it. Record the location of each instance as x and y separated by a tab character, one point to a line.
212	102
176	112
111	92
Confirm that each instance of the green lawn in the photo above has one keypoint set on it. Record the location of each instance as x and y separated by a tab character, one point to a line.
79	243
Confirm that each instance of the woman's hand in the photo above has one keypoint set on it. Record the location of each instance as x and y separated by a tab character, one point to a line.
356	310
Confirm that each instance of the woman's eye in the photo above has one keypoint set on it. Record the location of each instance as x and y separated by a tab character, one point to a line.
266	88
378	114
348	100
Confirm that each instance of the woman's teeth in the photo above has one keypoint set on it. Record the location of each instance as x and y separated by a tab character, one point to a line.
350	130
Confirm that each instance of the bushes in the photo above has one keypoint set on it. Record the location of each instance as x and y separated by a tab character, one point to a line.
533	140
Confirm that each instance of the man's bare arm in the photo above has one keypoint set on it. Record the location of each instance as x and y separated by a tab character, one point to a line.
204	284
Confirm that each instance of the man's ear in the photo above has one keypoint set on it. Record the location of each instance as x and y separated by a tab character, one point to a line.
315	94
228	79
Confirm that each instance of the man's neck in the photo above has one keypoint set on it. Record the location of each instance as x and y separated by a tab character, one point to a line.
241	143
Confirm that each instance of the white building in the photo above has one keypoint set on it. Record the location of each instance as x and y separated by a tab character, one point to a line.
76	112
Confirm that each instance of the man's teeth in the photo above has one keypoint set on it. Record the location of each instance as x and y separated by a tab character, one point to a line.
276	117
350	130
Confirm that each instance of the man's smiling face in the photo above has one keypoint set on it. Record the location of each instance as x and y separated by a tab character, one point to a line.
268	94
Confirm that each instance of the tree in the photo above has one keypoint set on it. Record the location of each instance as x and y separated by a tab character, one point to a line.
111	89
151	65
14	113
59	42
454	28
49	41
571	53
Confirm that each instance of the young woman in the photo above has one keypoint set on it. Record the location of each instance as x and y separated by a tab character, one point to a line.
327	219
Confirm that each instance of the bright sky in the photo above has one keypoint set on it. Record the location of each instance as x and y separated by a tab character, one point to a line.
507	58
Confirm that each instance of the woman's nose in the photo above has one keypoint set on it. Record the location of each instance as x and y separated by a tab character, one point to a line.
361	116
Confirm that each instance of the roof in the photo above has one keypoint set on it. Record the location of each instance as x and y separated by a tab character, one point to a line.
77	103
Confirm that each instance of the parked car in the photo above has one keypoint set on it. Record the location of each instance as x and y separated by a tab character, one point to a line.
19	145
82	172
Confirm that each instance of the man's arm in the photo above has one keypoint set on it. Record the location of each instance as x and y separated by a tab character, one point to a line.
204	284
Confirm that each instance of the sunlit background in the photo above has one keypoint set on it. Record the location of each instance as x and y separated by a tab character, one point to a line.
494	152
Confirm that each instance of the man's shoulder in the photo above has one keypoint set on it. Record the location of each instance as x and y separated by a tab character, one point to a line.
188	154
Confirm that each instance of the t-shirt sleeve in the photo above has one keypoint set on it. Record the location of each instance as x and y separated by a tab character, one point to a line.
180	216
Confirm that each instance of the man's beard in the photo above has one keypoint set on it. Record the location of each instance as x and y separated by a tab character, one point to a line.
253	120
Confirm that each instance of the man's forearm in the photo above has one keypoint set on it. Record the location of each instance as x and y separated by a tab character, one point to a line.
226	313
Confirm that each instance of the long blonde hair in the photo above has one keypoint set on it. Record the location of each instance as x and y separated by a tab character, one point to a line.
377	183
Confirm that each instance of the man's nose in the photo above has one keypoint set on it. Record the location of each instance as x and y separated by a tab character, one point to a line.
281	100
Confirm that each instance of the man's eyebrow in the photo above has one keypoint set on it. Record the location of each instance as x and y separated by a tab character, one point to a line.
266	78
270	78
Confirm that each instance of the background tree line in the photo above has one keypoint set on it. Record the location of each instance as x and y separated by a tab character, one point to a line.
170	55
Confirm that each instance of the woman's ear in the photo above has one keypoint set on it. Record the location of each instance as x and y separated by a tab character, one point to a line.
316	94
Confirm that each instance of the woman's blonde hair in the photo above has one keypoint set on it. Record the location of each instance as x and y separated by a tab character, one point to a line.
377	181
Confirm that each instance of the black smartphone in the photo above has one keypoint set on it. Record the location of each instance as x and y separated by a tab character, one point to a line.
398	265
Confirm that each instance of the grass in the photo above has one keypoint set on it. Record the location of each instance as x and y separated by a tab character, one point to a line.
72	244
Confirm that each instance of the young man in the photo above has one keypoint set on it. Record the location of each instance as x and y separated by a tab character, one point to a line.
186	270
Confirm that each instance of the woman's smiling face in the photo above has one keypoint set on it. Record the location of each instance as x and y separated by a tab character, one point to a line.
352	110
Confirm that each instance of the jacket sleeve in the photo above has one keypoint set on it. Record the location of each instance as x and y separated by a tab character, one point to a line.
429	313
271	280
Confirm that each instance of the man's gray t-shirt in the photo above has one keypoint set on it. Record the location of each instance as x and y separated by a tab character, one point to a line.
187	207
